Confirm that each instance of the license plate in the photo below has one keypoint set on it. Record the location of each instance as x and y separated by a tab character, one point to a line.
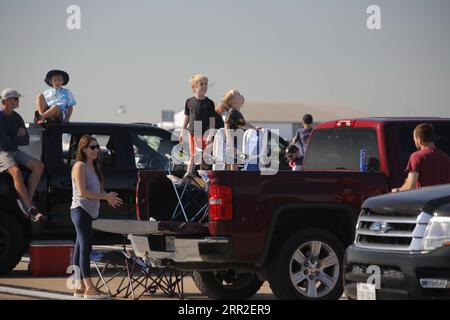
365	291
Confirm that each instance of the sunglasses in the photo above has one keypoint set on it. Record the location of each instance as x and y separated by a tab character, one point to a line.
94	147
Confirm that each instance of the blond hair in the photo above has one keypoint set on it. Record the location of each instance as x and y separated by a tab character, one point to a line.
197	78
220	107
228	97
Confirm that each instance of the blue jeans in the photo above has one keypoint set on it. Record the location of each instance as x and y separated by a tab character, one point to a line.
83	245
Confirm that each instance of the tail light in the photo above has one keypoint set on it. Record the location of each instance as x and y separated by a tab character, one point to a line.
220	203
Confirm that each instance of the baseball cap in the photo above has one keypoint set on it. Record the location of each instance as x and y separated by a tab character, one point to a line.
10	93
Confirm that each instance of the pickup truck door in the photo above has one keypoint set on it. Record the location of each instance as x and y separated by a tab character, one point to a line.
115	171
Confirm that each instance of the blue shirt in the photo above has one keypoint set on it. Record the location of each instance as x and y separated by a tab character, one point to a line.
60	97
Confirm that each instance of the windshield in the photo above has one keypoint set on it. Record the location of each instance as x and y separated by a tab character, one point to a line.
340	148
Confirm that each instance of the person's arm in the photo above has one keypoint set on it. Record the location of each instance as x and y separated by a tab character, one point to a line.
413	169
70	99
69	113
79	174
21	138
212	122
212	126
296	137
186	120
410	182
185	125
5	141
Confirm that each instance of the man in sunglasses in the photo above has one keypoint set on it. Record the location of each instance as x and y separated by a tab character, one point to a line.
13	134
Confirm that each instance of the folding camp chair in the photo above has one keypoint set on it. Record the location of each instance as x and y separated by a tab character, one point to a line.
191	190
135	276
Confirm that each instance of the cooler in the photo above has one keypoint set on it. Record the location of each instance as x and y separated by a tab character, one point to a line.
50	258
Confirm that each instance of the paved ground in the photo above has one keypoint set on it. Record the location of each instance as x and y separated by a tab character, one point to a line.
18	285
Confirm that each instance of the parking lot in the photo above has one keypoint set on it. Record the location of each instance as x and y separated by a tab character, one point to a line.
19	285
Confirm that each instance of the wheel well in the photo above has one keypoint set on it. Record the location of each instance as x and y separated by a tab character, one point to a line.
338	221
10	208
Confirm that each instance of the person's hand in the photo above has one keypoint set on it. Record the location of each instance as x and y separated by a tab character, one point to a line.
114	200
21	132
395	190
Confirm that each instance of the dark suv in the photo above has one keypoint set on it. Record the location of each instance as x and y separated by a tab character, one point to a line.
406	236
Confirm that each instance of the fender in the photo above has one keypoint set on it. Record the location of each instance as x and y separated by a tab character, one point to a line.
351	212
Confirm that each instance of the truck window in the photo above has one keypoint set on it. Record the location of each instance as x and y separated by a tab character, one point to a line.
407	146
442	136
150	150
339	149
34	148
70	145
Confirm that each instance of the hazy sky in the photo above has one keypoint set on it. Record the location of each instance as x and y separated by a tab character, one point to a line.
142	53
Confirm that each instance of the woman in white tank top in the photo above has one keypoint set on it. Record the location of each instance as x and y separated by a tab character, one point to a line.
87	185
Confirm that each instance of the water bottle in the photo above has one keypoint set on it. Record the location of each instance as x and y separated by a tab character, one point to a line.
363	160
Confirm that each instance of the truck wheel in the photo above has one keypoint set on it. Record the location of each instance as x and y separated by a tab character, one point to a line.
12	242
225	286
308	266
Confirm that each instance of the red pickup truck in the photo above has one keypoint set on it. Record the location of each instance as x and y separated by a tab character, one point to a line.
291	228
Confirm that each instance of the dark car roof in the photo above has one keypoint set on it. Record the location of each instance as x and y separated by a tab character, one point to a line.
114	125
97	125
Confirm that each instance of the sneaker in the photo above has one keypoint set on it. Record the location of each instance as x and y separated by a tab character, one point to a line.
96	295
78	293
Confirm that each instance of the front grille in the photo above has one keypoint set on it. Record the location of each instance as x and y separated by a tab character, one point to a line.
386	271
397	231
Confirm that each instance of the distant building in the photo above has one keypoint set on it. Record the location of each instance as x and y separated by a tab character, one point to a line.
286	117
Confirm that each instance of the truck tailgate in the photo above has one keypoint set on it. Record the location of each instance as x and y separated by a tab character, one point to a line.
133	227
156	201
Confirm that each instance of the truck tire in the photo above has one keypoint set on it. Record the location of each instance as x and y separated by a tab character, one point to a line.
12	242
308	266
223	286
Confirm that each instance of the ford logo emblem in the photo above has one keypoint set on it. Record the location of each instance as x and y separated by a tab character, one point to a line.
381	227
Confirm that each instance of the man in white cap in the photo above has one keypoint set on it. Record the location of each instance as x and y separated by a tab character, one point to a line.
13	134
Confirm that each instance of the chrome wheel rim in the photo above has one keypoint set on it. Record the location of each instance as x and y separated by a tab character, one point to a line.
314	269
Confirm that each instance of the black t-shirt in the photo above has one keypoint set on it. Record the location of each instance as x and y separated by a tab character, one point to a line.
235	119
219	121
199	110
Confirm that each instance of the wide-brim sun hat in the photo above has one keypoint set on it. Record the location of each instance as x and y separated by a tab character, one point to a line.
52	73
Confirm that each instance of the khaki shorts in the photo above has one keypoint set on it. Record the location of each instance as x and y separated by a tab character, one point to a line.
9	159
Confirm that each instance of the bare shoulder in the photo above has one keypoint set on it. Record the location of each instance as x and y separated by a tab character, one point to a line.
79	166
